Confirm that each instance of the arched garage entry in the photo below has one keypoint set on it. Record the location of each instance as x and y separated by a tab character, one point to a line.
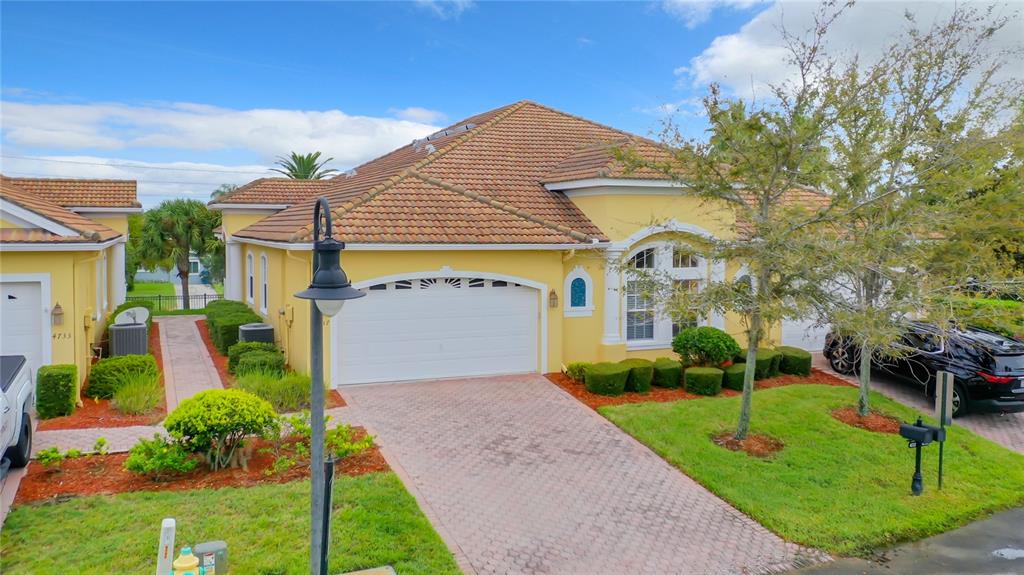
447	323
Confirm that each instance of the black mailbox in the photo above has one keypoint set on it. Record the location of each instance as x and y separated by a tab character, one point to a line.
938	433
918	434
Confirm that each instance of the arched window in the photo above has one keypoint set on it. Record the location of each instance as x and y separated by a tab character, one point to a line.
250	292
646	326
578	293
263	284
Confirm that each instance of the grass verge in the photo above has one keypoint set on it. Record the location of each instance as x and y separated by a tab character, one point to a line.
375	522
833	486
151	288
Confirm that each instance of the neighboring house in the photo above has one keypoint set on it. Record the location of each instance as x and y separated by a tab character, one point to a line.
195	268
493	246
61	265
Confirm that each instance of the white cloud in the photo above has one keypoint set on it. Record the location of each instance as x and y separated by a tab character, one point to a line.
695	12
188	126
422	115
745	61
446	9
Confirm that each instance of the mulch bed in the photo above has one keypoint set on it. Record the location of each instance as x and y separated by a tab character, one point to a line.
334	398
755	445
100	412
105	475
660	394
874	421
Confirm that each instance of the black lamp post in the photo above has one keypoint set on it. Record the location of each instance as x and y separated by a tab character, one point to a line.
328	291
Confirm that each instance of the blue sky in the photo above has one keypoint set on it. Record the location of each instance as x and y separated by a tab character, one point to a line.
190	91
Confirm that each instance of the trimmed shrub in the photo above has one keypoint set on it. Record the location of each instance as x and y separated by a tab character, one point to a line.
733	376
158	458
703	380
288	393
225	331
667	373
606	378
641	373
705	346
241	348
763	363
261	361
795	361
139	393
55	390
215	422
741	356
108	375
776	364
576	370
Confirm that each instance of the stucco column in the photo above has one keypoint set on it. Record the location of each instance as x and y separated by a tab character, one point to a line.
232	270
612	297
717	319
118	286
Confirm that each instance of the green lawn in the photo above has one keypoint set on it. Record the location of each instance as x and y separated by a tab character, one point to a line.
835	487
376	522
152	288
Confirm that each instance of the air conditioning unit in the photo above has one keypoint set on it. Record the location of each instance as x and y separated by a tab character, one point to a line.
132	338
256	332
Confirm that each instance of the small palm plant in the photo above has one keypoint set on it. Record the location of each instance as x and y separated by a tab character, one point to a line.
304	166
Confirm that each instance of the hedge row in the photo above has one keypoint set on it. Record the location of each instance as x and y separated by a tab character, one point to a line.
109	374
241	348
223	318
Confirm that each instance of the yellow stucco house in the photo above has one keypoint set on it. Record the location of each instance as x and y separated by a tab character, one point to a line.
61	265
492	246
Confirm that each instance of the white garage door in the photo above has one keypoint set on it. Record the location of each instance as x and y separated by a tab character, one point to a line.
21	321
434	328
804	334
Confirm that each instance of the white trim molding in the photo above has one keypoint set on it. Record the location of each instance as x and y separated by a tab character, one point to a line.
100	211
612	297
244	208
43	279
264	283
250	277
26	216
448	272
354	247
59	246
587	309
672	226
613	183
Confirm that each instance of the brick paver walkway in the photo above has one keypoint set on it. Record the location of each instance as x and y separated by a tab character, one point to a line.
188	368
1006	430
518	477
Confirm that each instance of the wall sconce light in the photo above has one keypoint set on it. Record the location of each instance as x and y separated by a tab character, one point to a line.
57	315
552	300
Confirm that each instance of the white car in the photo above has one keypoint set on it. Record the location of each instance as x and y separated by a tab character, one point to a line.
15	400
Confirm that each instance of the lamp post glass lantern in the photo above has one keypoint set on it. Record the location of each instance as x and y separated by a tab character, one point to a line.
327	292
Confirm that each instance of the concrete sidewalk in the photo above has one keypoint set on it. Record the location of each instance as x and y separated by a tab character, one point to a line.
994	546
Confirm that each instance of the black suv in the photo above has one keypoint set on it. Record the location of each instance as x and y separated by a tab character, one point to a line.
988	368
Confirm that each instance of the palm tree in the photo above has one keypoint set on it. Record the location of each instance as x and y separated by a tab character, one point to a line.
304	166
222	190
175	230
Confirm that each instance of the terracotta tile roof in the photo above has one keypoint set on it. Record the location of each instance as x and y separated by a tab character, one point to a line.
599	161
276	191
87	230
74	193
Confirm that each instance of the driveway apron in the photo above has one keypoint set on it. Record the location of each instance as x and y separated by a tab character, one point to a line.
519	477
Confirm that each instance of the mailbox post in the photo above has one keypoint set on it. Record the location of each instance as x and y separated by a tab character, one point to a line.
917	435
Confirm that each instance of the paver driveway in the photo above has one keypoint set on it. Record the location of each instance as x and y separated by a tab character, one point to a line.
1005	429
521	478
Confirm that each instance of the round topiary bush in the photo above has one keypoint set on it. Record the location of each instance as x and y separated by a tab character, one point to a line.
705	346
733	376
667	373
703	380
795	361
216	421
606	378
641	373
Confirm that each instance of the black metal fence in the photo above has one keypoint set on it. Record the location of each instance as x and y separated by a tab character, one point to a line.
173	302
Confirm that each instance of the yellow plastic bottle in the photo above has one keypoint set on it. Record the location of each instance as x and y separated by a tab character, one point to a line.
186	563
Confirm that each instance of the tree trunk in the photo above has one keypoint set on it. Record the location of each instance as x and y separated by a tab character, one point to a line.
753	338
864	379
185	300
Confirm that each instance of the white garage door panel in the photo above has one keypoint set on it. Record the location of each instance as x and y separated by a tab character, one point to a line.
804	334
21	321
440	331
